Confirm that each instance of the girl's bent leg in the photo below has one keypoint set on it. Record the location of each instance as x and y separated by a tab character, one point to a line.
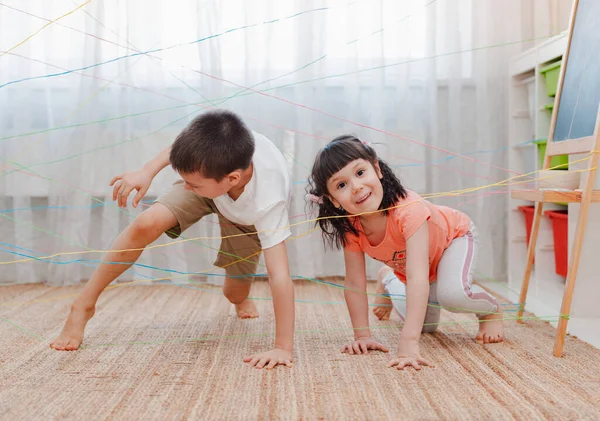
397	292
456	292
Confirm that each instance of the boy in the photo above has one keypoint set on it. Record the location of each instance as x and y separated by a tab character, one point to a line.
228	170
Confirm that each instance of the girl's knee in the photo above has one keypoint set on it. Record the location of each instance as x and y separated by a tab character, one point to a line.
432	318
467	303
446	302
383	273
453	300
429	328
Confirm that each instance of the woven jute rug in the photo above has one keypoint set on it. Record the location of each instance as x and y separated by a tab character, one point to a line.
166	352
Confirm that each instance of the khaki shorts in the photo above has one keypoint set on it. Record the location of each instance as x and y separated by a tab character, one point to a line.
238	255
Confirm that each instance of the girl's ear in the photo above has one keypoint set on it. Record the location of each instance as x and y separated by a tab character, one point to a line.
332	200
378	170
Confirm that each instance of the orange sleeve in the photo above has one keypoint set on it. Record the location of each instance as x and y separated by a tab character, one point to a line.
352	243
411	215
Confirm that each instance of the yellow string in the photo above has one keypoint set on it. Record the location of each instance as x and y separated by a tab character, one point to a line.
123	284
423	197
343	329
79	107
43	27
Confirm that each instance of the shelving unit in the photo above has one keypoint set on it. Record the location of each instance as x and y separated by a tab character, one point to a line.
529	120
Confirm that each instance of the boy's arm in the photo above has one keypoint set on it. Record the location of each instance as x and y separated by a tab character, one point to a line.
417	297
355	293
139	180
160	161
282	290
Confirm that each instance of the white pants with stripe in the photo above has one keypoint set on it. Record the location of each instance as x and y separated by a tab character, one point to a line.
453	289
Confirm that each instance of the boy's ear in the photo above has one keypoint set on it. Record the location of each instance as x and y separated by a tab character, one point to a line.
234	177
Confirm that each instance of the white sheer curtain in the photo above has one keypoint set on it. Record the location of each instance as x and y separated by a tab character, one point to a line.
408	75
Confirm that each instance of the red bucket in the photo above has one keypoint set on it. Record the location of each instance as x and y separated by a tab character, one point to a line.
529	212
560	232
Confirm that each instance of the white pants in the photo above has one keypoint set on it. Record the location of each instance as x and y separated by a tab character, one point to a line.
453	289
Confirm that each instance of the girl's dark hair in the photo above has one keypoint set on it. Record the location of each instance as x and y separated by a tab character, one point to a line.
333	157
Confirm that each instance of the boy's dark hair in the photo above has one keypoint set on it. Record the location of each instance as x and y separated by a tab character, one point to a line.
333	157
214	144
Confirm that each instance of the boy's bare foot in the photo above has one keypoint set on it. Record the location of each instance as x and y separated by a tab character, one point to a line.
246	310
491	328
382	312
72	333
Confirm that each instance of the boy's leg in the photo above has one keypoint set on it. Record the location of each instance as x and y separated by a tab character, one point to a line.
397	292
144	229
239	256
174	211
237	290
456	292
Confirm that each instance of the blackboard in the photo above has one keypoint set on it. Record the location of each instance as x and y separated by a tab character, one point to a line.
580	95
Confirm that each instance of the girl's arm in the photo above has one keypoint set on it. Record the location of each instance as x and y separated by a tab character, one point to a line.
417	296
358	304
417	283
355	293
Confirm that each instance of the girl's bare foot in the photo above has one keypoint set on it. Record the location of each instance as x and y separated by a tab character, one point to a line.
382	312
491	328
72	333
246	310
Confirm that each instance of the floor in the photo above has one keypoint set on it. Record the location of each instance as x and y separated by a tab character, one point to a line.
167	352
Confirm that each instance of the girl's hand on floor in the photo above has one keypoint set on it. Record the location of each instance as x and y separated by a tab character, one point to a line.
270	359
363	345
416	362
409	356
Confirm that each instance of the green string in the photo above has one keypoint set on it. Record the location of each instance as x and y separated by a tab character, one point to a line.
274	88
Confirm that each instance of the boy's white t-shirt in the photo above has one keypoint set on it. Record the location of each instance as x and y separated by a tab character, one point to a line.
264	202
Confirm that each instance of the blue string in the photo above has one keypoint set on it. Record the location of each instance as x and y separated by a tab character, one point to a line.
422	164
477	152
95	205
89	262
156	50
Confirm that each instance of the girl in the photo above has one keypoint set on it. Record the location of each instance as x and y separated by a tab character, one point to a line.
429	250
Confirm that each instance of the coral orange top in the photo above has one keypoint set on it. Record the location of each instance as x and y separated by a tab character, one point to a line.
445	224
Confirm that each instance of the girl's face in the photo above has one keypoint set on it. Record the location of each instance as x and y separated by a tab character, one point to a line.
356	187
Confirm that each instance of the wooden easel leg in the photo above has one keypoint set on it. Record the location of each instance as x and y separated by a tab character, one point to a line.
565	309
530	256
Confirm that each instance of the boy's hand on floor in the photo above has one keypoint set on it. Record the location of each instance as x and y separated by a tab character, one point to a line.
124	184
270	359
363	345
